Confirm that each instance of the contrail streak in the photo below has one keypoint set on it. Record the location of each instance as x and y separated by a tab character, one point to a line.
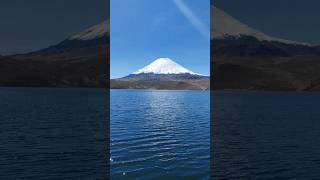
194	20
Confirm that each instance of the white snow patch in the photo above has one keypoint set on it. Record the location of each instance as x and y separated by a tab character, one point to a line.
93	32
164	66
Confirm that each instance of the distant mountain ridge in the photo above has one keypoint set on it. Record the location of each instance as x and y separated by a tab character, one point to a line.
152	76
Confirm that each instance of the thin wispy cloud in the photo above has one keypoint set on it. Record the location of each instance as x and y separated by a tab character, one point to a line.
194	20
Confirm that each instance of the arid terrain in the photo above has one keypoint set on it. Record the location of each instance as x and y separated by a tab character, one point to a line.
70	68
161	84
298	73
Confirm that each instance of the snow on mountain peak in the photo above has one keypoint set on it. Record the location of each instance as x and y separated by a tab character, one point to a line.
164	66
225	25
93	32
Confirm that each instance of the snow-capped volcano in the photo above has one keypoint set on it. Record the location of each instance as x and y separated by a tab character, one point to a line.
164	69
93	32
231	38
163	73
164	66
225	25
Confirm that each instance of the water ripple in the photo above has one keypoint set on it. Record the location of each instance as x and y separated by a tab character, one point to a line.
158	134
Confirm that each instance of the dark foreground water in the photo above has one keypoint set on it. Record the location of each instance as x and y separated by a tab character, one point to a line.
266	135
53	133
160	134
61	134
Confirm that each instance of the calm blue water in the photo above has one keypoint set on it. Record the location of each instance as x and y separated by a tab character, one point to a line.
266	135
160	134
61	134
53	133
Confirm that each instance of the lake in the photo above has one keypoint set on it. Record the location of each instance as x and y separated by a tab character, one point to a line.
159	134
266	135
48	133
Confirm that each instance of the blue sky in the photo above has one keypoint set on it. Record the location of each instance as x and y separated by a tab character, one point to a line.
143	30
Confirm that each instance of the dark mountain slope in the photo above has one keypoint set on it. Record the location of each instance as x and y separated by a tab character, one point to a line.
75	62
